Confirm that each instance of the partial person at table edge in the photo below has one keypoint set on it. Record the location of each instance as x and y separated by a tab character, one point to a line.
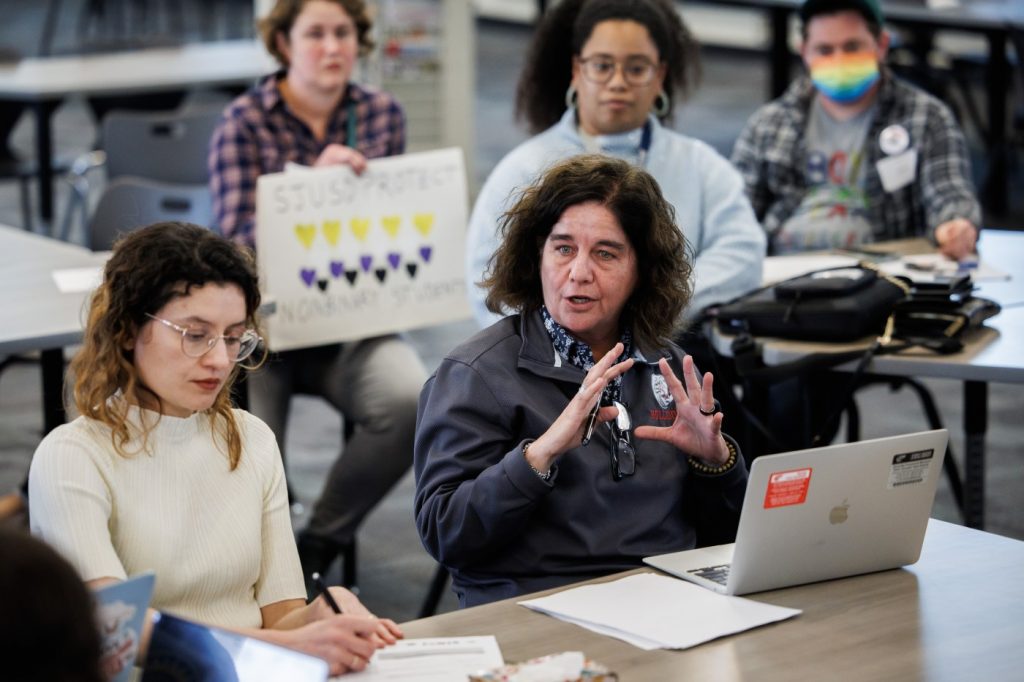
604	76
851	153
520	484
312	113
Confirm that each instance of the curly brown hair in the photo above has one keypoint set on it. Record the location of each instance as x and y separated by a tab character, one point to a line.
566	28
281	18
148	268
663	257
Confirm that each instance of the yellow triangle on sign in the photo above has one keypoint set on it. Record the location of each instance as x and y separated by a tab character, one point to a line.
424	222
332	230
360	228
391	224
306	234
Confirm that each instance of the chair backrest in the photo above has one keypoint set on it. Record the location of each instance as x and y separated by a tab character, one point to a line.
168	146
129	203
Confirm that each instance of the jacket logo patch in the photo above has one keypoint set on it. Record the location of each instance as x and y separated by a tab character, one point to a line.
660	389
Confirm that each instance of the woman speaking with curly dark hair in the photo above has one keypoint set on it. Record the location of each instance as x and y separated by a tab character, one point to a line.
602	76
560	443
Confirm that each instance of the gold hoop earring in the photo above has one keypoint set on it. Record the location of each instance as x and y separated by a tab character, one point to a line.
662	105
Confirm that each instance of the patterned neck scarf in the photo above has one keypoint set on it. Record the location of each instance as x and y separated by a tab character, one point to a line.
579	354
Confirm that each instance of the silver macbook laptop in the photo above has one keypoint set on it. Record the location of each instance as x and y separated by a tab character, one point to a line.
823	513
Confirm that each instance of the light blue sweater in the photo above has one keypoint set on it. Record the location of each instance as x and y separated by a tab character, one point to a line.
707	193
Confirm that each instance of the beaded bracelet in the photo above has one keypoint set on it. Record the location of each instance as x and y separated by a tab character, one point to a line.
703	468
545	476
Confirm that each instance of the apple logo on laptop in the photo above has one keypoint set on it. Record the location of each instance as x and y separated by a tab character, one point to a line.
839	514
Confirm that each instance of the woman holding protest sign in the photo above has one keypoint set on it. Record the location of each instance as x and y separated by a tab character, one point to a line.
310	113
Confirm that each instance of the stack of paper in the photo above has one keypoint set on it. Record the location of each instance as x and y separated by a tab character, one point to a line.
656	612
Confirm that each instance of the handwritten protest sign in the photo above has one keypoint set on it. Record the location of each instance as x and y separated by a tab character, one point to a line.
346	257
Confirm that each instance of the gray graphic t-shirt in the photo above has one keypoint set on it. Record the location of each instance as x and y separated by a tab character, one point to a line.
834	210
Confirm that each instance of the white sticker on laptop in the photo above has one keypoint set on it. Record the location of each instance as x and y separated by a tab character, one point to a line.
910	468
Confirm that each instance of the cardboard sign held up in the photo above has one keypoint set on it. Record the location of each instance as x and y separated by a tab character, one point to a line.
346	257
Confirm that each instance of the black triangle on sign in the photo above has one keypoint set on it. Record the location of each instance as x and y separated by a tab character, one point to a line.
381	273
351	275
322	283
411	267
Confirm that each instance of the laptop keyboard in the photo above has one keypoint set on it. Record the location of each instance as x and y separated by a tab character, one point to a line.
716	574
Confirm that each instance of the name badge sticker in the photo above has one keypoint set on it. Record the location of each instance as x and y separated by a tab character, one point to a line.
786	488
910	468
896	172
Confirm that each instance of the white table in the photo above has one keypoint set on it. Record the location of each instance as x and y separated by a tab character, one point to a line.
44	82
34	314
954	615
991	354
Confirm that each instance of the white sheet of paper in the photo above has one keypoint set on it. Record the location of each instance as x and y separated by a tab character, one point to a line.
77	280
431	659
778	268
896	172
657	609
929	267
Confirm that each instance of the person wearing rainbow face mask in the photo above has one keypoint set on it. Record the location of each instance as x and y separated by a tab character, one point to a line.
851	154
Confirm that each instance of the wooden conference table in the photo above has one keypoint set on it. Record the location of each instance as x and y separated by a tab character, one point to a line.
45	82
34	314
991	354
995	20
954	615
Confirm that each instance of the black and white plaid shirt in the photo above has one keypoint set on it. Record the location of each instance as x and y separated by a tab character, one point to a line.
771	155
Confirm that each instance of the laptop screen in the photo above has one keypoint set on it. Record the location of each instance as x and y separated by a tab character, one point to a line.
185	651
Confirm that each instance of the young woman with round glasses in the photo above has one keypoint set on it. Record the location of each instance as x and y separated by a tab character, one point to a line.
160	473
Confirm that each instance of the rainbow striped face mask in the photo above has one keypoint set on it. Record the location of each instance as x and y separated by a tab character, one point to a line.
843	77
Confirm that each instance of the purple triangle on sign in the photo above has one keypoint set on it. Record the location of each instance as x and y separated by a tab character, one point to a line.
308	276
394	259
426	252
365	262
337	269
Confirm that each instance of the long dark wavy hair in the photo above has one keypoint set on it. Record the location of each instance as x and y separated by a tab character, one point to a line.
663	259
565	29
148	268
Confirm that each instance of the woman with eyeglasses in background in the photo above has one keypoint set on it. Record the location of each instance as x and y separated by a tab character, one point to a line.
602	76
160	473
559	443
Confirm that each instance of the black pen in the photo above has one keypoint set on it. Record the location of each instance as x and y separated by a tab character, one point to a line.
322	586
591	421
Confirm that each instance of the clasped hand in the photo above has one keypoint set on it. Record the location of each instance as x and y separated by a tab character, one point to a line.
694	433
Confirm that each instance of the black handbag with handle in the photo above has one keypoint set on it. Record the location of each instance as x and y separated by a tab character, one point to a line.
836	304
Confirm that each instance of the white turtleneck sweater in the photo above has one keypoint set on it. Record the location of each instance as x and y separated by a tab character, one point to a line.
219	541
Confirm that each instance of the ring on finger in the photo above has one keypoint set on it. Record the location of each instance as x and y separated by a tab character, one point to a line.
715	409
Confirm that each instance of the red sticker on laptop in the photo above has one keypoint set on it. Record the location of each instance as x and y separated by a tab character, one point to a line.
787	488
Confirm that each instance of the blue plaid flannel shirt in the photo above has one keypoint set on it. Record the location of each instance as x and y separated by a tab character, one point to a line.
259	135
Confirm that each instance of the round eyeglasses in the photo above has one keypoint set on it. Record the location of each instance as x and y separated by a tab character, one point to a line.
599	69
196	343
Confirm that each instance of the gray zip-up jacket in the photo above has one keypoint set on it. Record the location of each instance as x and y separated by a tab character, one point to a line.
497	526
